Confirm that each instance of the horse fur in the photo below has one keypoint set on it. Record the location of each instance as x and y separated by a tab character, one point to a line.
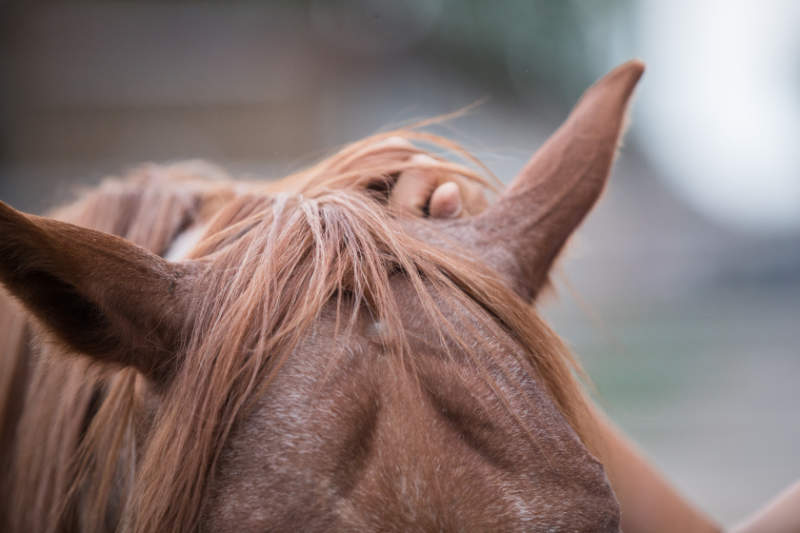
317	361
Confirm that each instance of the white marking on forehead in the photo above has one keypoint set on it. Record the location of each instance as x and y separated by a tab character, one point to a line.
184	242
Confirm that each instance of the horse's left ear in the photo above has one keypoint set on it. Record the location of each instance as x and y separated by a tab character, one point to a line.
523	232
97	293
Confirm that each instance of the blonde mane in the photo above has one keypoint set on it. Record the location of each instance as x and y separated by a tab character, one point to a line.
274	256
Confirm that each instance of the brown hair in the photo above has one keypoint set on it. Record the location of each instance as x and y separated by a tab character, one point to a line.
270	263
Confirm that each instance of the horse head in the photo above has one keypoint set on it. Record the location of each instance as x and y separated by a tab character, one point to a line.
317	361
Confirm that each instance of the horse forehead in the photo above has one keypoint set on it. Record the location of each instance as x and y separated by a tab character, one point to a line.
349	440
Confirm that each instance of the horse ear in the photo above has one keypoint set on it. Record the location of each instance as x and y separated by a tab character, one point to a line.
97	293
523	232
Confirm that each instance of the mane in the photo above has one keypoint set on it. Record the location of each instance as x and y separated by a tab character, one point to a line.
49	400
274	256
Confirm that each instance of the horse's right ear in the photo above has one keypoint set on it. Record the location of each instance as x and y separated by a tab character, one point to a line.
98	294
523	232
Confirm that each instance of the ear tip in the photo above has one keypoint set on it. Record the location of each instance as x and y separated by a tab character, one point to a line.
631	70
619	83
637	65
9	215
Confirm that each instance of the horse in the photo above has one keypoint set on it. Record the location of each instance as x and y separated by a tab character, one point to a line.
187	352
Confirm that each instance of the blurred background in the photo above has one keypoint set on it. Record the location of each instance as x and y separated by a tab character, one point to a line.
681	293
